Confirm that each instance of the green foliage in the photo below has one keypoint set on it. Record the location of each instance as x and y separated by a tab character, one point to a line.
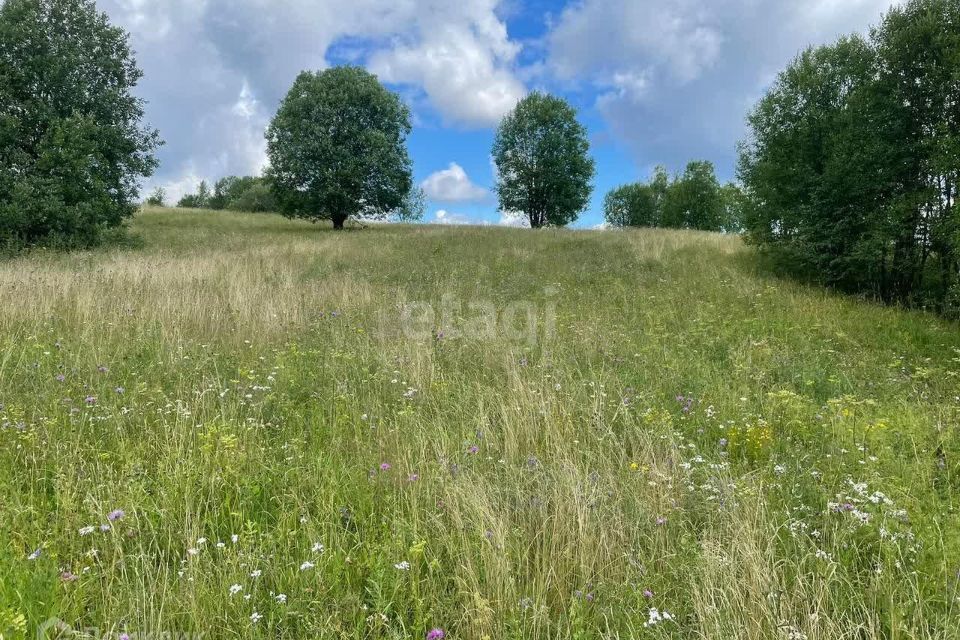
337	148
692	200
632	205
413	207
72	147
157	197
852	168
198	200
543	163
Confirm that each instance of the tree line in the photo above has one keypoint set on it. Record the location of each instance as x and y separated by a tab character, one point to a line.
694	199
853	161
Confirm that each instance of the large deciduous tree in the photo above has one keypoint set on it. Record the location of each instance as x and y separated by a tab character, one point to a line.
73	148
543	162
337	148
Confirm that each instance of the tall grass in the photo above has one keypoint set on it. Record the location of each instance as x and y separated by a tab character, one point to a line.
756	458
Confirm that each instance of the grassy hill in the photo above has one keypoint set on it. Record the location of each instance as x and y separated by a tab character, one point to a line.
497	432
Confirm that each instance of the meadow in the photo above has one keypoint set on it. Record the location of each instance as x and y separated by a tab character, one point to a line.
249	427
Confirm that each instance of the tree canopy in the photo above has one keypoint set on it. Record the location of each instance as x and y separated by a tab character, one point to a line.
72	144
853	162
337	147
543	162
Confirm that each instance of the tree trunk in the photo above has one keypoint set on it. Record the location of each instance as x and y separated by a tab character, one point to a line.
338	222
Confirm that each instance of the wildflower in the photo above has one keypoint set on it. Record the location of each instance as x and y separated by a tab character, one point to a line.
85	531
473	450
256	574
102	369
655	617
281	598
201	542
36	554
317	547
235	589
255	617
116	514
402	566
779	469
306	566
413	477
120	391
104	528
67	576
385	466
124	636
436	634
193	552
90	400
661	521
234	538
61	377
647	594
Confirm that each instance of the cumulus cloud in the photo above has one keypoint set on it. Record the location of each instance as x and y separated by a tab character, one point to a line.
674	79
215	70
453	185
442	216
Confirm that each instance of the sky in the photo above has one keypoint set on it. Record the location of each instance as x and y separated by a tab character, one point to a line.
654	81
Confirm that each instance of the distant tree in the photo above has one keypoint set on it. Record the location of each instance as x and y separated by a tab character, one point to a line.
337	147
72	144
198	200
632	205
255	197
543	163
157	197
413	207
694	200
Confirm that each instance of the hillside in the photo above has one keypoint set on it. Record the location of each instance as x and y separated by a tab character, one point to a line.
289	442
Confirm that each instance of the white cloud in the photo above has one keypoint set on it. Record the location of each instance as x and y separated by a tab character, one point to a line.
214	72
453	185
443	216
513	219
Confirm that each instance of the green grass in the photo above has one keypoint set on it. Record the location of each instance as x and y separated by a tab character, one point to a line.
248	376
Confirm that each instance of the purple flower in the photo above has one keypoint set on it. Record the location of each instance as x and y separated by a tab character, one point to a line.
661	521
61	377
413	477
90	400
115	515
385	466
102	369
67	576
436	634
723	442
647	594
474	449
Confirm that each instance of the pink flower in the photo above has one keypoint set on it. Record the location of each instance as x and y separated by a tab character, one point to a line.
436	634
385	466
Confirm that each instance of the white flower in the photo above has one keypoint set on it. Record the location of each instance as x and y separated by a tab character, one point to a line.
34	555
220	545
779	469
255	617
256	574
201	542
234	538
235	589
193	552
306	566
317	547
85	531
655	617
282	598
402	566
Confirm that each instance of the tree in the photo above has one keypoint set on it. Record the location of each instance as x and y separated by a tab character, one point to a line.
543	163
632	205
853	166
157	197
337	147
198	200
413	207
72	146
694	200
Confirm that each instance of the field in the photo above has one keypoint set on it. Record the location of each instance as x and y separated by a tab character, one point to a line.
247	427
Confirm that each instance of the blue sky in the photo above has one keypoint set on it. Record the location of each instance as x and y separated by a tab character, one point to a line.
654	81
